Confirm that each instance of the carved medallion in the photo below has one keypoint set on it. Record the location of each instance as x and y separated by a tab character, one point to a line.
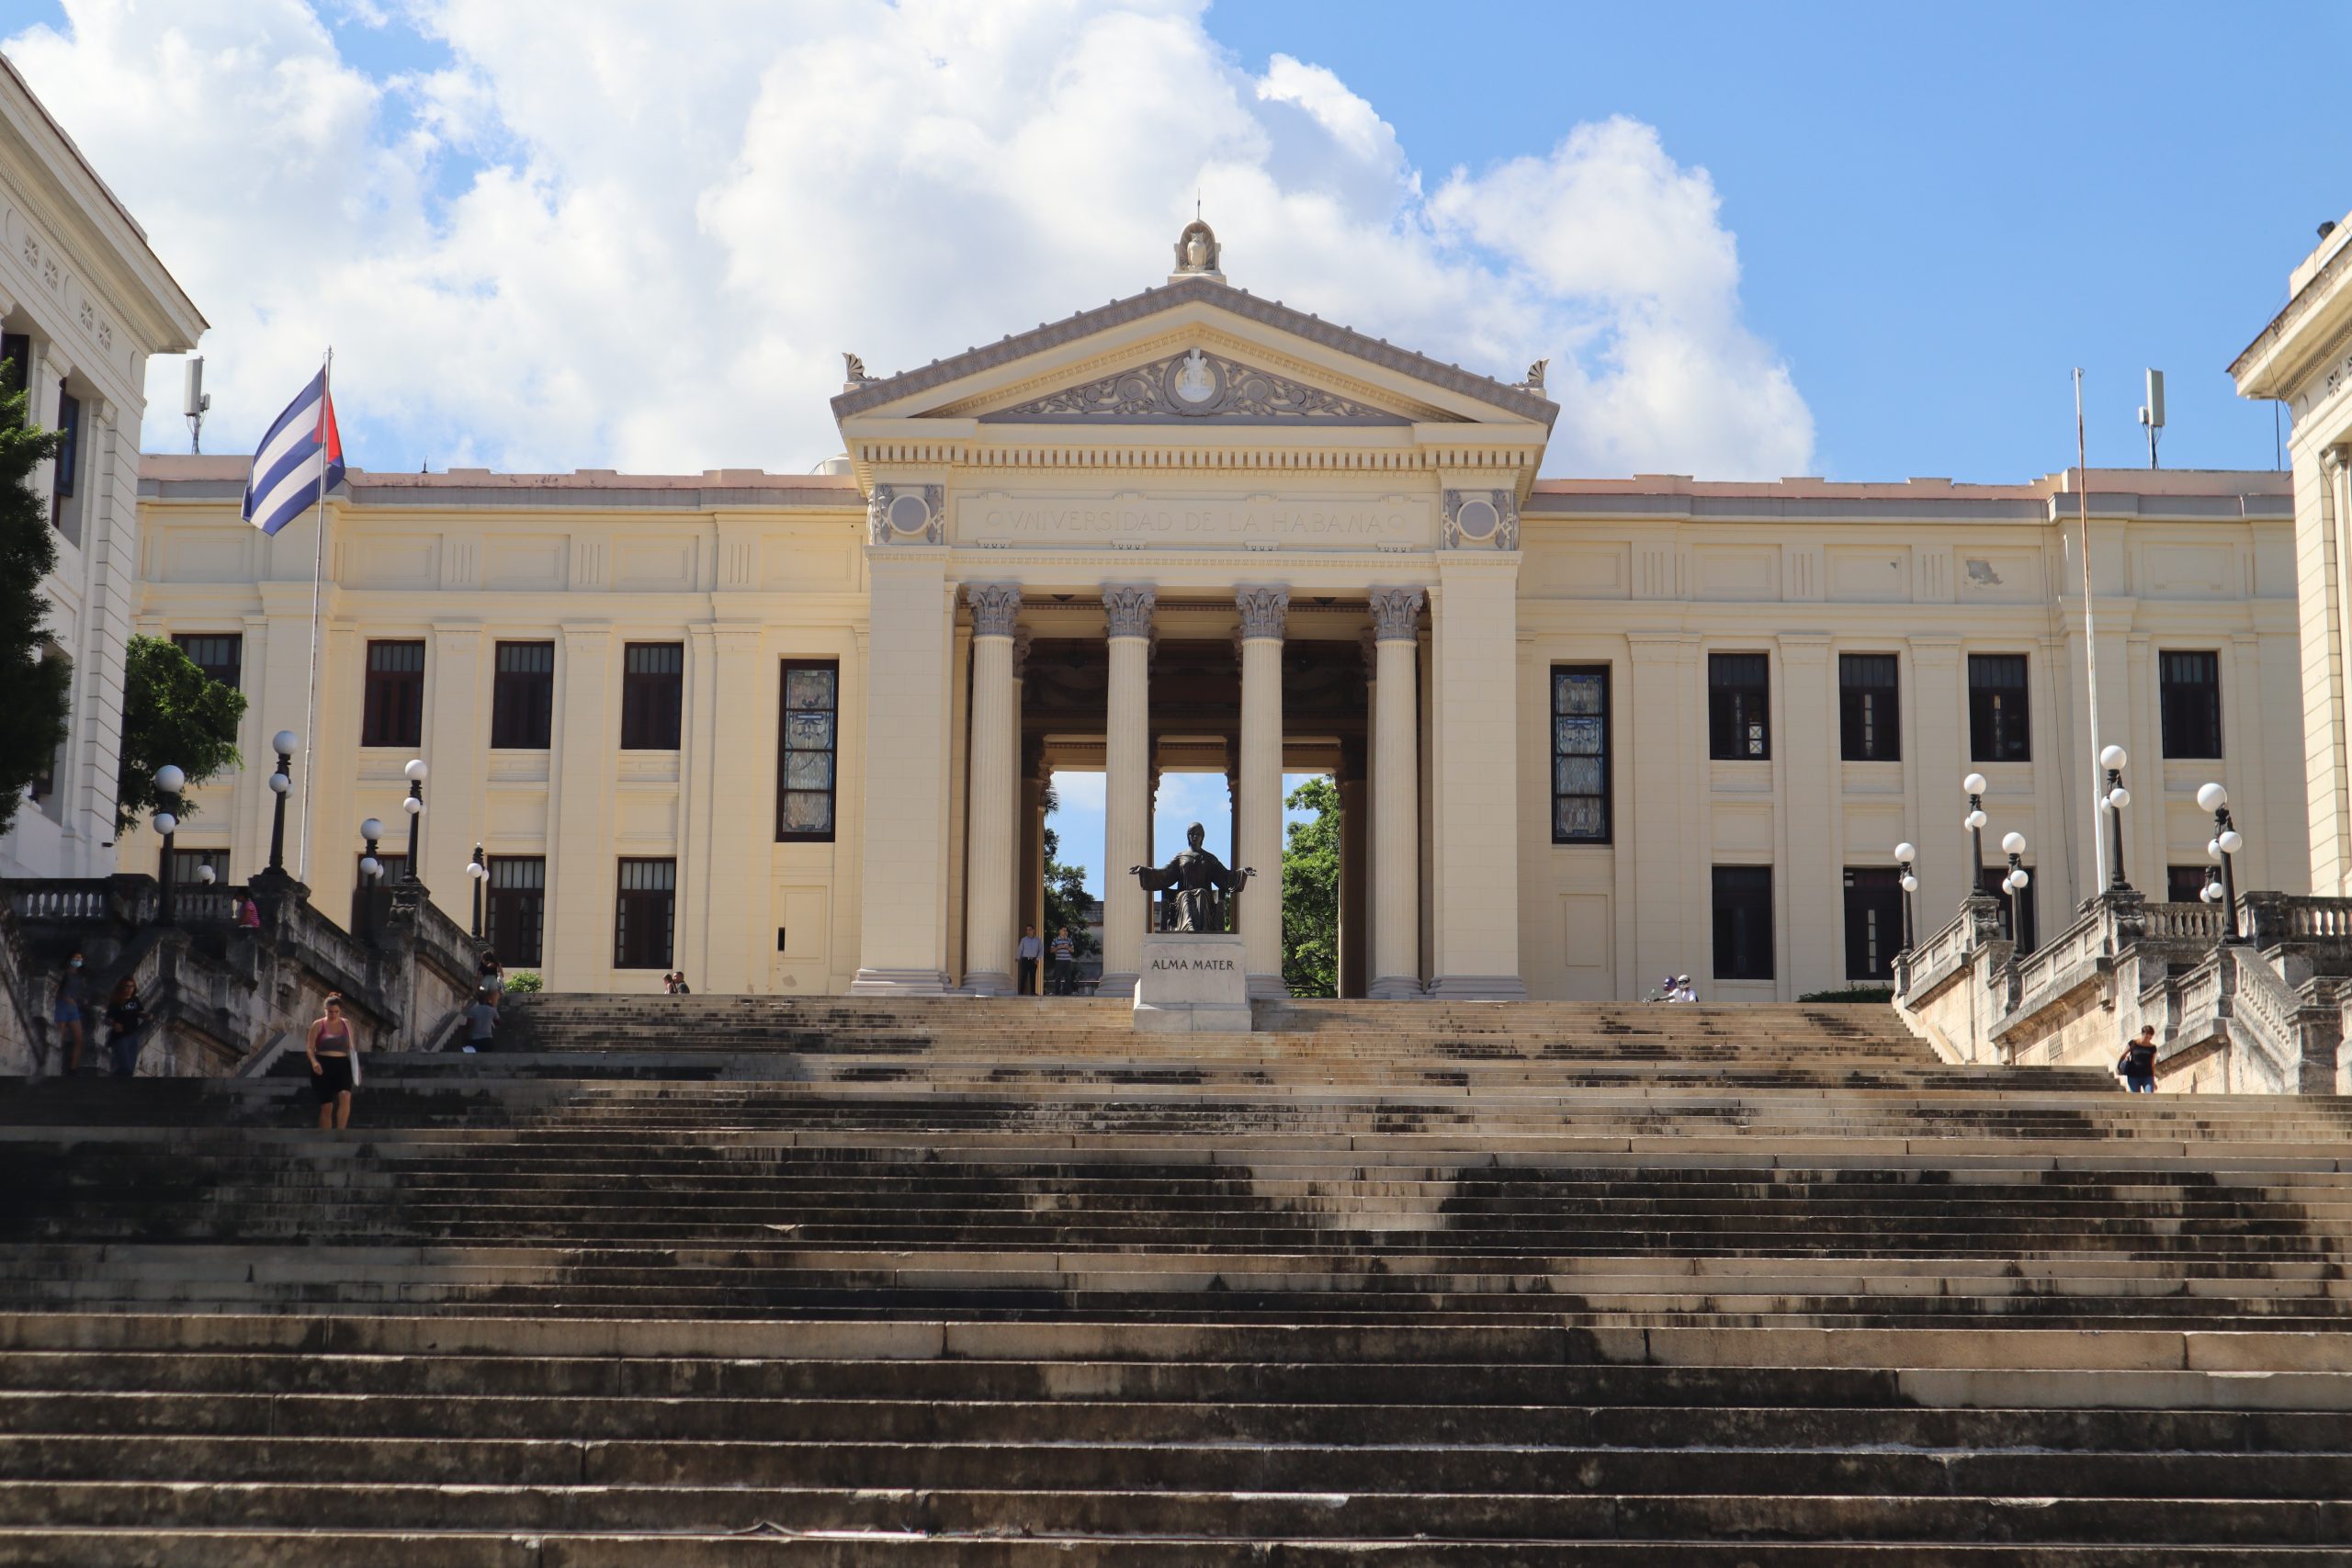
1194	385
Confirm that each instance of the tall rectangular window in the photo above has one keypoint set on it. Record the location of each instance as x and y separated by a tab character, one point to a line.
1873	922
1743	922
1580	754
2185	883
653	689
369	896
1995	883
1869	708
63	511
645	914
221	655
1997	715
515	909
1739	703
15	362
809	745
392	710
2189	690
522	696
189	866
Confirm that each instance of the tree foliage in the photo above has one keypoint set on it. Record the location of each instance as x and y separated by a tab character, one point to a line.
1311	892
33	689
1065	902
171	712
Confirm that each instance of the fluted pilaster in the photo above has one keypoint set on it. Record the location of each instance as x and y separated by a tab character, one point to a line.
1126	765
995	758
1396	794
1263	613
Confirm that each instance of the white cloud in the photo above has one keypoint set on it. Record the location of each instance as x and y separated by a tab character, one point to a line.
621	242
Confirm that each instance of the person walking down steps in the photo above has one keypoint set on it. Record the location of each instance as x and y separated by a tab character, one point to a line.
2137	1063
72	1001
334	1049
126	1027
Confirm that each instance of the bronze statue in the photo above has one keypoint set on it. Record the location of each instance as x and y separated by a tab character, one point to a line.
1194	884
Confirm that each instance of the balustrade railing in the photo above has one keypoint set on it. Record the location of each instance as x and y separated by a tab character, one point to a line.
2183	922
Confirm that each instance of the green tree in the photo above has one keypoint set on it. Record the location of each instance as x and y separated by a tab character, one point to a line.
1311	892
171	712
1066	901
32	688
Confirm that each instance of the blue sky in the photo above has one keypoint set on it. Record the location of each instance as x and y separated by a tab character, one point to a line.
1867	241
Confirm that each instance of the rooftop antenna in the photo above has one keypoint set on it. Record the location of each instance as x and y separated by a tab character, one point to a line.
197	402
2151	412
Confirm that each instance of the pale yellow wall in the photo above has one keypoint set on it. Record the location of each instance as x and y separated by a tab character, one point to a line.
1652	597
741	588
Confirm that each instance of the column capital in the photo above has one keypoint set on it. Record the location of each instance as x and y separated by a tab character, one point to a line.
1397	613
1022	641
1127	609
1264	611
996	607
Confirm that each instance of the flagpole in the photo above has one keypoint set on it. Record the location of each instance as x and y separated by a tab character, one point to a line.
318	561
2090	633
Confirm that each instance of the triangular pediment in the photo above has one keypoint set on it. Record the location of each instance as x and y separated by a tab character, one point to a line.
1194	352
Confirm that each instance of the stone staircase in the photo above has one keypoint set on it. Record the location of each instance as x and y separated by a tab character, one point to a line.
720	1280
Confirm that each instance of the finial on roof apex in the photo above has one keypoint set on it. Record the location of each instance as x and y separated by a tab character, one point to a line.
853	367
1197	252
1534	382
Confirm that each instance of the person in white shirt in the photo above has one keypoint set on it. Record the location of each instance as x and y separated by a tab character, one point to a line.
1030	949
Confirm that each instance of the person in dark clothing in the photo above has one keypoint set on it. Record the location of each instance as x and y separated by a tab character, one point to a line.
2139	1062
482	1021
1026	954
126	1027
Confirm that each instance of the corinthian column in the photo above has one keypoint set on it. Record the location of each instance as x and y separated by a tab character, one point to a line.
1396	795
1126	785
989	825
1264	611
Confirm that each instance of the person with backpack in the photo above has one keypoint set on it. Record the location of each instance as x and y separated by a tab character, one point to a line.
126	1026
2137	1063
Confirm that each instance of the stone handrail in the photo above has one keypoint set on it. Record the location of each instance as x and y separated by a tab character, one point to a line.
2099	934
2269	919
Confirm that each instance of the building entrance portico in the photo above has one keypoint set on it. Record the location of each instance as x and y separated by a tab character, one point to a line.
1201	531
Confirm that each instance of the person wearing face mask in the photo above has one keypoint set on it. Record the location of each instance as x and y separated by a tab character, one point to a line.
72	1001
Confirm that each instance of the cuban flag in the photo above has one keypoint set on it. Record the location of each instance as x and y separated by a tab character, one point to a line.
298	461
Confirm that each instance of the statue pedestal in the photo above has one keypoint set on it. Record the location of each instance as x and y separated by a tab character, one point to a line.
1192	985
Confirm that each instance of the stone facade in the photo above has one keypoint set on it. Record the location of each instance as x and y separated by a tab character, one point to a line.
1031	564
84	303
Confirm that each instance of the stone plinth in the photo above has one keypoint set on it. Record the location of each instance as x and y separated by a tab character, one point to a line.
1193	983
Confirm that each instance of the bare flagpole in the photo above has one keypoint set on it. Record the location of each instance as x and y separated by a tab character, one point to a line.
317	559
2090	633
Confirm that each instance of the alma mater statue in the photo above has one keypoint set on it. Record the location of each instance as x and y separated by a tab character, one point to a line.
1195	883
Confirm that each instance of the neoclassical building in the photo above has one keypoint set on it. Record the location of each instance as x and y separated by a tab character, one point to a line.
83	304
790	733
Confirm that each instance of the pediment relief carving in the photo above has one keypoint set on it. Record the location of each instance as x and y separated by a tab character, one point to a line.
1191	385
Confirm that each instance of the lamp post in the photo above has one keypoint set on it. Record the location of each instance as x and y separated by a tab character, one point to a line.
281	785
414	806
371	831
1974	822
478	872
2013	845
169	782
1905	853
2226	843
2113	802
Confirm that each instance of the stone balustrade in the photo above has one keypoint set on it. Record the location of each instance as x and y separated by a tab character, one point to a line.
218	993
2264	1014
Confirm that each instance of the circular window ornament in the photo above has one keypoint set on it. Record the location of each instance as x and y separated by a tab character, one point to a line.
1478	519
909	514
